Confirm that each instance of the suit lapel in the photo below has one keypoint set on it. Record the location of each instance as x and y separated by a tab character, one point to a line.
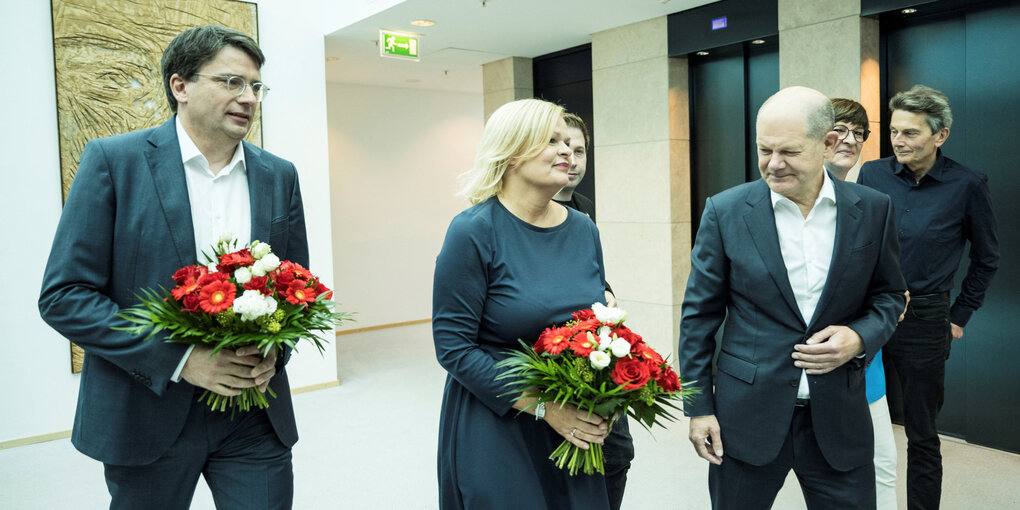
167	169
848	223
761	224
260	193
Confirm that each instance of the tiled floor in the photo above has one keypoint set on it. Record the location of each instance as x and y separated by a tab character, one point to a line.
371	444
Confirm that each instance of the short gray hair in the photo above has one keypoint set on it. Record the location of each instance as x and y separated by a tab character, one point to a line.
926	100
819	120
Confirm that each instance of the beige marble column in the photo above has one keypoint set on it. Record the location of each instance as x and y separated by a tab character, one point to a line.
642	142
828	46
506	80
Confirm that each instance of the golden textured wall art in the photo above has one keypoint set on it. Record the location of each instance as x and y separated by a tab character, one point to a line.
107	55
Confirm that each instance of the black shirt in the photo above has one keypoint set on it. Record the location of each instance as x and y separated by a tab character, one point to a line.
935	218
584	204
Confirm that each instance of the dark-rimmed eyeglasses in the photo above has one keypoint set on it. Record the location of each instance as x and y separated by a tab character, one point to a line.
236	85
859	134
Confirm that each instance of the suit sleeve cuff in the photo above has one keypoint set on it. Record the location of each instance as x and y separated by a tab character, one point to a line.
180	366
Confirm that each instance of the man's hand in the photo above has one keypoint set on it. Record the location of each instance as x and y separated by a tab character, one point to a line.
706	438
228	372
905	305
611	300
828	349
957	331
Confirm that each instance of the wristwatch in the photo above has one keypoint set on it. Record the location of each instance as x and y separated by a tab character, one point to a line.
540	411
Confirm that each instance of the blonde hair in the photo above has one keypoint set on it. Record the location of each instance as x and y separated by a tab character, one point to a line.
516	132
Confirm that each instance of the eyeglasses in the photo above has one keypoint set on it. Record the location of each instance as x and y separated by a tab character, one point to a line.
859	134
236	85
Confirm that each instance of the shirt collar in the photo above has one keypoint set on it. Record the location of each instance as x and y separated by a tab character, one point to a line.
935	172
189	152
828	192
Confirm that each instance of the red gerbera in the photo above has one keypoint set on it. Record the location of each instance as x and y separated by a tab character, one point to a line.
298	293
582	345
217	296
553	340
187	280
322	289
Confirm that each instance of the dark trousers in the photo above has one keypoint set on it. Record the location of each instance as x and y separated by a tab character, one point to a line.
736	485
618	451
244	463
919	349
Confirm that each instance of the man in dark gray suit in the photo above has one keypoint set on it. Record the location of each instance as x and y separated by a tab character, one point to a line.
144	204
804	270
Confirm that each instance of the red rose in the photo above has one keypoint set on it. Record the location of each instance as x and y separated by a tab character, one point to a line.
190	303
259	283
668	380
231	261
630	373
553	340
217	296
298	293
583	315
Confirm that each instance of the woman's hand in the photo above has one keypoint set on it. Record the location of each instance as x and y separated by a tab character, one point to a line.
575	425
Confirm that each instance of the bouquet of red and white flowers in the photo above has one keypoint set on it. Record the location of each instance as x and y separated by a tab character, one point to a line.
598	364
239	298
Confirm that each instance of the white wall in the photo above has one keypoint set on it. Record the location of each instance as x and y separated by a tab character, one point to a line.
394	156
39	392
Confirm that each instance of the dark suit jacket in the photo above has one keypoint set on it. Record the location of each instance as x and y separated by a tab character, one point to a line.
738	274
127	225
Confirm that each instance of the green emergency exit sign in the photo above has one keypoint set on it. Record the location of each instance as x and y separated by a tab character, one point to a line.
398	45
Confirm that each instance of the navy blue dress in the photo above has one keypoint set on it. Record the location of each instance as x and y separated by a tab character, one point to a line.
498	279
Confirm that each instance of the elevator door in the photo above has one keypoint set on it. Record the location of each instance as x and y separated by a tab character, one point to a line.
726	88
973	57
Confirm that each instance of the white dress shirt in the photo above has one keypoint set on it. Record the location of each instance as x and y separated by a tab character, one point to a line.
219	204
807	245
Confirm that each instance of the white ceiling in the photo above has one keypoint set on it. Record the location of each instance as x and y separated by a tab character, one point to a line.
468	34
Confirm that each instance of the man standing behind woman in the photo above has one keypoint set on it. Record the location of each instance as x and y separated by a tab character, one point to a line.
852	129
619	446
511	265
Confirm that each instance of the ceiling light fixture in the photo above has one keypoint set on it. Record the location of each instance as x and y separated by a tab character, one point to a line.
701	53
423	23
758	41
908	11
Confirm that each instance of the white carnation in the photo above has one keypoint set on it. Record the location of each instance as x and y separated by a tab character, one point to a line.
211	266
620	347
252	305
258	268
604	313
260	250
599	359
270	261
242	275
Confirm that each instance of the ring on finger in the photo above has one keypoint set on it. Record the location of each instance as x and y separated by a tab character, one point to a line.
572	431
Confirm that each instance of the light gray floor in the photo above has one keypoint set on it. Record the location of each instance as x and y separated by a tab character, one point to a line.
370	444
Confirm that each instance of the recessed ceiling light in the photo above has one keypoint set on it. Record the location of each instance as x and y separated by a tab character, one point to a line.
758	41
331	59
701	53
908	11
423	23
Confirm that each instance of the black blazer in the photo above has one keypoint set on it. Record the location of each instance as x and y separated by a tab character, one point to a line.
738	274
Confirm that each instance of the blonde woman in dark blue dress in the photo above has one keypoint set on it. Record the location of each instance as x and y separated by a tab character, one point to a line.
512	264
